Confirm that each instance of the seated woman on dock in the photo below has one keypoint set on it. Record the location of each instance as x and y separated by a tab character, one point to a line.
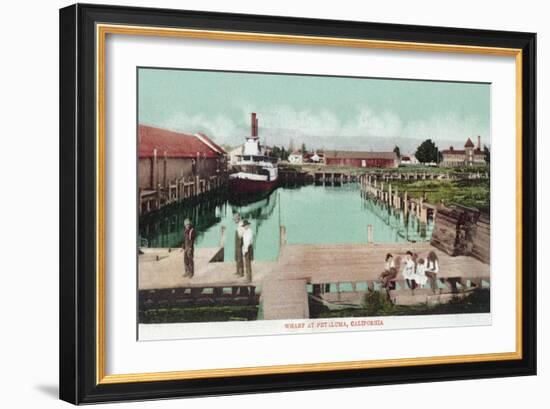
420	274
389	273
409	270
432	268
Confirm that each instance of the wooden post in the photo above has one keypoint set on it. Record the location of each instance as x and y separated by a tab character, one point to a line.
165	170
405	203
369	234
154	180
396	203
422	211
282	238
222	237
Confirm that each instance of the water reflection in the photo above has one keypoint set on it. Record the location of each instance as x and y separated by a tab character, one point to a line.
311	214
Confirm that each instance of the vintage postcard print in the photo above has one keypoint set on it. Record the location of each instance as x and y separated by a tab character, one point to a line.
284	204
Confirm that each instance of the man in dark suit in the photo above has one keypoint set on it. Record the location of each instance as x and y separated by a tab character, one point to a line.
188	248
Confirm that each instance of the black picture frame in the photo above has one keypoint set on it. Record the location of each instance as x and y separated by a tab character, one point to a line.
78	312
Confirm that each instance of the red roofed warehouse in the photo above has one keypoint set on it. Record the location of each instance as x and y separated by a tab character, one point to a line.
170	161
362	159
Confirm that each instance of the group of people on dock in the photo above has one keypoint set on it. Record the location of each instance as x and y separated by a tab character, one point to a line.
415	270
244	249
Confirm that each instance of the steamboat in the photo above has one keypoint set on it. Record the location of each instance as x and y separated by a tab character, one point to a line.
254	172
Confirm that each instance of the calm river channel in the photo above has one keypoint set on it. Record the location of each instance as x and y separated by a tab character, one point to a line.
311	214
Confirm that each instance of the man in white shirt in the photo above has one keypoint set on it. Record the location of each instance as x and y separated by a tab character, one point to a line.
239	231
248	249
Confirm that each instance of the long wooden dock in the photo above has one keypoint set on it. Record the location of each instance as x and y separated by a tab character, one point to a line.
352	268
285	299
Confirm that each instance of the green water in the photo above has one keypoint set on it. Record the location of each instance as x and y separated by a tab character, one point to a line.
311	214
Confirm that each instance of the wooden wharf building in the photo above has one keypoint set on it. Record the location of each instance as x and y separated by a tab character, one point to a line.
360	159
174	166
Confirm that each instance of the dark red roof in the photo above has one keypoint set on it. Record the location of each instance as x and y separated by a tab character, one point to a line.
455	151
469	144
460	152
213	144
175	144
360	155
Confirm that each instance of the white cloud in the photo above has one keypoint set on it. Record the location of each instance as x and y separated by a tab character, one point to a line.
366	130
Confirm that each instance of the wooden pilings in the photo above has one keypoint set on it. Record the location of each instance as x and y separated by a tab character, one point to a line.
386	193
282	236
323	177
370	238
177	190
388	177
222	237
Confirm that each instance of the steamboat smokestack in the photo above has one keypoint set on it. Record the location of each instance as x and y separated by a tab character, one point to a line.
253	124
478	143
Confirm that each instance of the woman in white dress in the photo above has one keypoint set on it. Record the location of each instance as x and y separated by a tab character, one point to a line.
409	269
420	274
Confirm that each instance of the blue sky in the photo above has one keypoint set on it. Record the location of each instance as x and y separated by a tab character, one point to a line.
322	112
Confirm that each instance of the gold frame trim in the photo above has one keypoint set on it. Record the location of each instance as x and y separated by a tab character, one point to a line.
102	30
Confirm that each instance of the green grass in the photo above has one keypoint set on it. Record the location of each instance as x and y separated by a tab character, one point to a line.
198	314
377	304
401	169
468	192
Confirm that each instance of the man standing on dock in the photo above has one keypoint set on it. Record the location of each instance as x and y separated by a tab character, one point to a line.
239	245
188	248
248	251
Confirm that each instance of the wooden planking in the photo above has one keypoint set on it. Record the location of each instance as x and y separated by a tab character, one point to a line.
161	268
315	263
167	271
284	299
357	262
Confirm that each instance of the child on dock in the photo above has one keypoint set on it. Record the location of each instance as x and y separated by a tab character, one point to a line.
432	268
420	274
389	273
409	270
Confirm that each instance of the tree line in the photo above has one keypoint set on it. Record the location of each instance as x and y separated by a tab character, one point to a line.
428	152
